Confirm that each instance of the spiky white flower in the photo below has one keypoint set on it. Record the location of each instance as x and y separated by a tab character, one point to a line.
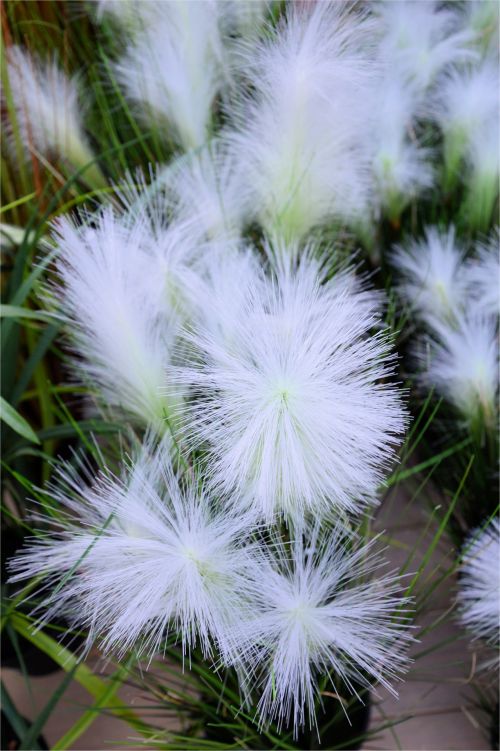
138	558
175	69
318	615
432	273
401	165
299	134
208	188
482	178
122	291
49	115
483	276
479	586
464	100
462	365
420	39
291	401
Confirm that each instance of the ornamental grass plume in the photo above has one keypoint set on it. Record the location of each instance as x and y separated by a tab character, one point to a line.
401	165
137	558
298	133
208	188
483	276
318	615
465	100
433	280
130	15
422	39
482	176
479	585
482	17
457	309
122	296
462	365
295	408
48	114
174	69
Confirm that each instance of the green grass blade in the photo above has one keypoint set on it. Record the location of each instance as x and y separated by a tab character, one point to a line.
36	728
18	312
18	723
96	687
14	420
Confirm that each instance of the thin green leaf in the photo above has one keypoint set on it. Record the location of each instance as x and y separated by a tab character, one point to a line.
14	420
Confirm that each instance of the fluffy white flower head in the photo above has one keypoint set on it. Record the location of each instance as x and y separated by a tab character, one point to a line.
479	592
482	179
482	17
300	132
432	273
400	164
146	557
133	16
243	17
291	402
483	276
317	616
463	366
464	101
120	293
49	115
208	189
174	69
420	39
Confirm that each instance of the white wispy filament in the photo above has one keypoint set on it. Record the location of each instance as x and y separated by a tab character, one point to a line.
139	558
479	586
420	40
299	134
462	364
290	399
400	164
432	275
207	188
174	68
318	615
121	295
483	276
49	115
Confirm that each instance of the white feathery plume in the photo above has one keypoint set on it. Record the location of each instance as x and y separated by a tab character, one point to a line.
462	365
483	276
479	585
482	178
49	115
433	280
400	164
420	39
225	282
291	401
208	189
140	558
482	17
464	100
243	17
122	287
299	132
133	16
318	615
174	69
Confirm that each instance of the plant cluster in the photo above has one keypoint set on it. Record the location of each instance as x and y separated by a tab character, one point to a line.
268	239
